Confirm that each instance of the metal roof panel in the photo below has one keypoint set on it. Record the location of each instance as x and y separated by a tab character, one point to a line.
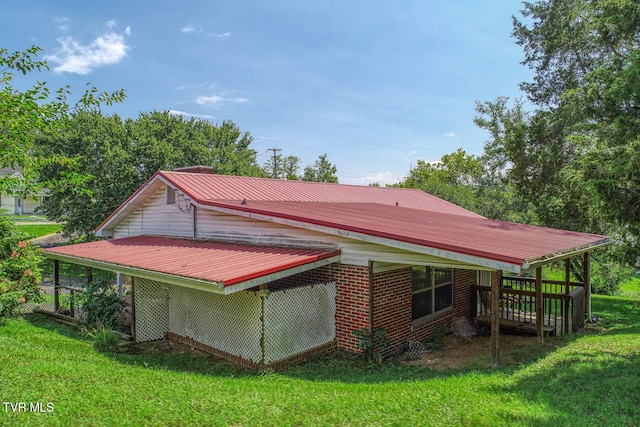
220	263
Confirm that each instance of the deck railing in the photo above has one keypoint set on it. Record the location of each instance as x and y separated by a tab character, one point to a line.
563	304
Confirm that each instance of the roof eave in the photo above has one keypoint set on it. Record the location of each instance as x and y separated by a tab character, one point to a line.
193	283
539	262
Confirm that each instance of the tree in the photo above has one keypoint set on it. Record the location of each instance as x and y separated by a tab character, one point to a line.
586	59
574	156
321	171
25	115
117	157
282	167
470	182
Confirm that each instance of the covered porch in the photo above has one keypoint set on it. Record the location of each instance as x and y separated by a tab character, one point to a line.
533	305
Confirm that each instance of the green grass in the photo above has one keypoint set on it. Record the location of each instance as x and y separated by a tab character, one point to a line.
593	378
38	230
631	288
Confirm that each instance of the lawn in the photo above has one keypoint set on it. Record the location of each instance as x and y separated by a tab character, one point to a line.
39	230
593	378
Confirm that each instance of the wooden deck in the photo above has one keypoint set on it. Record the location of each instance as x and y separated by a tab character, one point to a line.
563	306
517	326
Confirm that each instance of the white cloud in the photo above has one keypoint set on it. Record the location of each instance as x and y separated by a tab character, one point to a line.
111	23
450	135
221	36
74	57
217	100
63	23
197	116
188	29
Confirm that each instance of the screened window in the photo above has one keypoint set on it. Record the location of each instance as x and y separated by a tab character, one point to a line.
432	290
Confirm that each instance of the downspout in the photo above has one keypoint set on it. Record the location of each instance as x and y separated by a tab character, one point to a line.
195	221
371	297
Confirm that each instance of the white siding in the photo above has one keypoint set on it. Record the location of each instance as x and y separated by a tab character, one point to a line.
227	227
156	217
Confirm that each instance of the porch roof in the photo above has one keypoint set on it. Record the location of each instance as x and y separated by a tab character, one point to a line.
474	240
212	266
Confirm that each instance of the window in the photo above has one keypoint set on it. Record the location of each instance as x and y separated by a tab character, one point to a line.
171	196
432	290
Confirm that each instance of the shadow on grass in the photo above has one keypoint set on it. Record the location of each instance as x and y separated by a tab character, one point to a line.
619	313
596	387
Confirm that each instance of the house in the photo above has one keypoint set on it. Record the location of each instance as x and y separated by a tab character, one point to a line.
15	204
266	272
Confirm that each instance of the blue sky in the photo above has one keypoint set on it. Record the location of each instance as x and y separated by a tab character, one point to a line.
376	85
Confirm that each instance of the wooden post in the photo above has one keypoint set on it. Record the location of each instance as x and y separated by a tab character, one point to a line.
495	318
567	291
586	265
119	281
133	309
89	274
56	285
539	305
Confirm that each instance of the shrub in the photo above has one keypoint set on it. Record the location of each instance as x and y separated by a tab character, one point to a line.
104	338
606	276
101	304
20	273
372	343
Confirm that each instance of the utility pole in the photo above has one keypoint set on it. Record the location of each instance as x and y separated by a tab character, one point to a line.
275	160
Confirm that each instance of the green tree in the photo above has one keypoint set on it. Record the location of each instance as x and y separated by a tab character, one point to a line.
25	115
574	155
471	182
282	167
586	59
117	157
321	171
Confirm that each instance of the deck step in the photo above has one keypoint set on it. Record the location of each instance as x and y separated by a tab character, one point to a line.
524	327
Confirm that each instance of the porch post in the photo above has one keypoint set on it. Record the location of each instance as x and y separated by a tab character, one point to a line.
539	305
586	265
567	291
495	318
56	285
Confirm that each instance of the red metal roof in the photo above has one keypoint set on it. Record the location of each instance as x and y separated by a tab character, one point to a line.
404	215
207	187
496	240
221	263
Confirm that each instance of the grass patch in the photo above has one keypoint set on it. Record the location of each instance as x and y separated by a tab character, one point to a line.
39	230
592	380
630	288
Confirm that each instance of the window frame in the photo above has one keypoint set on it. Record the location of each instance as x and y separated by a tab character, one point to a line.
432	286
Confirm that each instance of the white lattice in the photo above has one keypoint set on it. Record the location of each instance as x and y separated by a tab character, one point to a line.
227	322
152	309
299	319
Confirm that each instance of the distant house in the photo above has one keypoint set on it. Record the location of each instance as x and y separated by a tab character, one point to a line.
16	205
268	272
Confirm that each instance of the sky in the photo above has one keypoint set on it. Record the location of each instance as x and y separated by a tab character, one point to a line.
375	85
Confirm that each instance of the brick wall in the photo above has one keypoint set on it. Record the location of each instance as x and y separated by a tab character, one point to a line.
391	303
392	306
462	282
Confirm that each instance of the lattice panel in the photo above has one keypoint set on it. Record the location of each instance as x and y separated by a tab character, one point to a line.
152	309
227	322
299	319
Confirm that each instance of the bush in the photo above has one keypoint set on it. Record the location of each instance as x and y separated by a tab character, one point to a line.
20	274
606	276
101	304
104	338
